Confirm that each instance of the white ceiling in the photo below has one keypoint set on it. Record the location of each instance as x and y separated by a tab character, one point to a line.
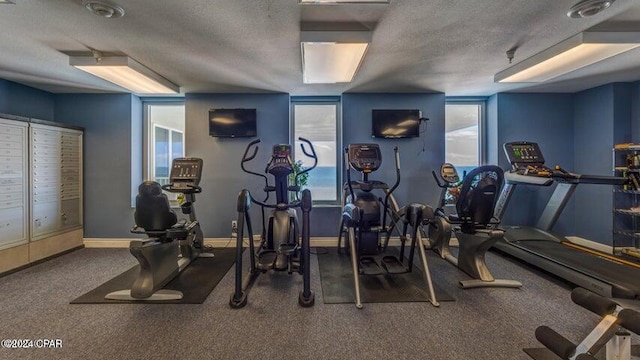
450	46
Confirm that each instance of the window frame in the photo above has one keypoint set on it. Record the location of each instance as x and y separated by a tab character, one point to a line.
147	132
148	143
322	100
482	128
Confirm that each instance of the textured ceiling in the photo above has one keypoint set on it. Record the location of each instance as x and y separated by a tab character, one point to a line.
451	46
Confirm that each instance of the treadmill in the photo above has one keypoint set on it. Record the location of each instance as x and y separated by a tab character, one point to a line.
539	246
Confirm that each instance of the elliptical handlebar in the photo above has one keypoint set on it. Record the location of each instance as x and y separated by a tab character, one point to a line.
393	188
251	157
437	179
312	155
348	171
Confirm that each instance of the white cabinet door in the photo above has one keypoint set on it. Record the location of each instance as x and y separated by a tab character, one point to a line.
13	183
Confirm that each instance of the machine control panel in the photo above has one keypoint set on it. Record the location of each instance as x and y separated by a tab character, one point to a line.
186	172
280	159
449	174
365	158
523	153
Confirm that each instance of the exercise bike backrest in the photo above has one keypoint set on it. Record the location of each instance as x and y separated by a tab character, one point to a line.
280	166
478	197
153	212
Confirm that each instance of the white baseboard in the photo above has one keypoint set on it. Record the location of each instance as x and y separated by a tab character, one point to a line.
607	249
115	243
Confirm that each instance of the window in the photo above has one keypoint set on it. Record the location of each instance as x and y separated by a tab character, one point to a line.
318	121
165	123
463	130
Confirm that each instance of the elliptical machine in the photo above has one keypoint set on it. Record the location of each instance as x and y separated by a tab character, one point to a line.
366	230
474	224
281	246
171	245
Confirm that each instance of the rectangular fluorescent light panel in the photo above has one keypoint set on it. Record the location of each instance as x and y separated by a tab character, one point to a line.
7	2
127	73
330	57
572	54
337	2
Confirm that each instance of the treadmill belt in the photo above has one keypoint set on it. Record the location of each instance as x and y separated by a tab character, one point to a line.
605	270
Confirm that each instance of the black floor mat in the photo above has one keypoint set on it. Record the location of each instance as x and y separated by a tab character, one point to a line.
546	354
195	282
336	278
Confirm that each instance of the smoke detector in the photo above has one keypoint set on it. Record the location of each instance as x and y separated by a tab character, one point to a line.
588	8
104	9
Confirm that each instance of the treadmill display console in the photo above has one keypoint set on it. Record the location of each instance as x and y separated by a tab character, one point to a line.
521	153
365	158
186	172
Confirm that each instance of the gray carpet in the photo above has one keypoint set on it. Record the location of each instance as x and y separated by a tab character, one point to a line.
488	323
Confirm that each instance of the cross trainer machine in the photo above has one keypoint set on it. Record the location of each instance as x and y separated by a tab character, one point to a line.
474	225
170	245
365	228
281	246
611	332
539	246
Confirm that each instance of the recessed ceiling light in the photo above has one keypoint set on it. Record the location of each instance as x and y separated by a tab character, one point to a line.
338	2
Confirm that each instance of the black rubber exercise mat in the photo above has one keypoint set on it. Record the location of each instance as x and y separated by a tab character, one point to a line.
195	282
336	278
546	354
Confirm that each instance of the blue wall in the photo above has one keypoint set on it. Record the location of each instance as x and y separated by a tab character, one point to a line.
222	177
107	120
546	119
216	205
576	131
21	100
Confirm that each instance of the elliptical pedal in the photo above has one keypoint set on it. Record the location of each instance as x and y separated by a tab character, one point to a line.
392	265
266	260
369	266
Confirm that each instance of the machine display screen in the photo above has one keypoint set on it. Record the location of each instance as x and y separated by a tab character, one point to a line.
523	153
282	150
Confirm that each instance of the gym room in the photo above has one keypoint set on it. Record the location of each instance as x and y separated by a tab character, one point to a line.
320	179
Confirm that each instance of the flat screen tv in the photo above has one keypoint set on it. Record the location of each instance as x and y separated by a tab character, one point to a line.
232	123
395	124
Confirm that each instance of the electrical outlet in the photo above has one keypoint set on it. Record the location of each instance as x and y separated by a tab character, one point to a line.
234	228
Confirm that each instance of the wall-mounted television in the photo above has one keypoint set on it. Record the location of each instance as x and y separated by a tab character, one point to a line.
395	124
232	123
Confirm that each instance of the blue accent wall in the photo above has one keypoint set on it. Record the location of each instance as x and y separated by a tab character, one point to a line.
418	156
107	119
21	100
546	119
635	111
222	177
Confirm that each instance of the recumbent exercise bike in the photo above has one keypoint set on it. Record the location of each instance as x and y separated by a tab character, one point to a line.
474	224
171	245
281	246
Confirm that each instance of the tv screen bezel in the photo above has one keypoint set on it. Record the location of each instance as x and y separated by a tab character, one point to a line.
254	129
378	135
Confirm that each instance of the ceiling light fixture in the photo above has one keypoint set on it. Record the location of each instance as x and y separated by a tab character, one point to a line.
7	2
572	54
338	2
104	9
330	57
588	8
124	72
